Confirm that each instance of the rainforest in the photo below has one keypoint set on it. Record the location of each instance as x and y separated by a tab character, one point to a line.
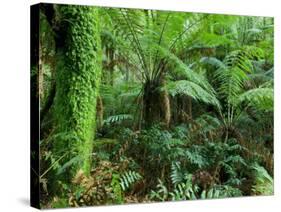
140	106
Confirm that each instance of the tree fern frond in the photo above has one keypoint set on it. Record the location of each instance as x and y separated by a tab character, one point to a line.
232	75
213	61
214	40
184	87
230	82
259	98
185	71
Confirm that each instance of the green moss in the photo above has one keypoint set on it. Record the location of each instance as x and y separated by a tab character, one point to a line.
78	78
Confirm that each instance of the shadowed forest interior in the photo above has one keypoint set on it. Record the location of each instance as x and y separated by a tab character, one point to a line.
146	106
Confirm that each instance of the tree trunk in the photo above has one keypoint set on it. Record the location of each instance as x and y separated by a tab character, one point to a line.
40	75
100	110
183	111
151	104
48	102
156	104
78	74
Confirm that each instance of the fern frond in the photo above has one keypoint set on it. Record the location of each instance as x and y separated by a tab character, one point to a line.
161	193
184	191
176	174
129	178
235	159
232	72
185	87
220	192
263	181
206	124
195	156
118	118
214	62
214	40
188	73
259	98
230	82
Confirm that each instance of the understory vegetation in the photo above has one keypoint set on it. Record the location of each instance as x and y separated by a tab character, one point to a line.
146	106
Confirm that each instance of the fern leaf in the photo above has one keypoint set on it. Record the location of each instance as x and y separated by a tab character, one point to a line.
185	87
118	118
259	98
129	178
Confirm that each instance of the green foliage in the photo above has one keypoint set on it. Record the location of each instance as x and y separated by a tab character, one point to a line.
176	174
196	155
191	89
221	192
160	146
259	98
117	189
118	118
129	178
263	181
207	126
61	203
72	162
232	72
161	193
185	189
119	99
182	182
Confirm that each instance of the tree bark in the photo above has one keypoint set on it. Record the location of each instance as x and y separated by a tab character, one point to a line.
100	110
78	73
156	104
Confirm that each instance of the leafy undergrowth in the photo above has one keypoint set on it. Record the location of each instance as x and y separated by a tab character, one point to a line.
108	183
163	165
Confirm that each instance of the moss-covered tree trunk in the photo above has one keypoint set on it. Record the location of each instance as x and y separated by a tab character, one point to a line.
78	76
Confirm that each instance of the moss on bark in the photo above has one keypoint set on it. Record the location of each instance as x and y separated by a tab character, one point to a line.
77	79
